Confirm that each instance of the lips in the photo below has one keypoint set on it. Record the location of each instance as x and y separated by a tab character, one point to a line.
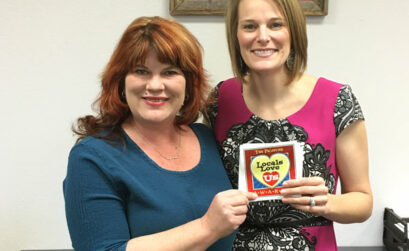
155	101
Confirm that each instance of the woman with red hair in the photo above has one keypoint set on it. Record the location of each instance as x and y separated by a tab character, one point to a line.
142	175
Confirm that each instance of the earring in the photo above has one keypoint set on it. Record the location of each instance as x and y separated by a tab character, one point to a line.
122	97
241	64
290	60
180	113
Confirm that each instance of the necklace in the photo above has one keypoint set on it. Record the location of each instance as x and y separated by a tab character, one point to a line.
166	157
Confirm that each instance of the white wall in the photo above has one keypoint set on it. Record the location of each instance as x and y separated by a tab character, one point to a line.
52	52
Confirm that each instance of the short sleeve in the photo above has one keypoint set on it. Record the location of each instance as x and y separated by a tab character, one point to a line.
94	208
347	109
212	107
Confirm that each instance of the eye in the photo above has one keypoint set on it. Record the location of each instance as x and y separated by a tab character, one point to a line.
249	27
276	25
170	73
141	71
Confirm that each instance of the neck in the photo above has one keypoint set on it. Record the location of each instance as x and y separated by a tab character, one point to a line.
163	141
268	87
154	132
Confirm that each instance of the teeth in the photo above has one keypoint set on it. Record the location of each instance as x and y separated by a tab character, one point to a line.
263	52
155	100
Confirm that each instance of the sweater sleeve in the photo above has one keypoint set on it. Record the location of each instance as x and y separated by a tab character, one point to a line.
95	211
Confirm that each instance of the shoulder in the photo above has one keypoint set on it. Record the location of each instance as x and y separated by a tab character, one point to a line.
341	89
87	144
94	158
217	95
230	92
203	133
231	83
84	159
85	150
93	147
201	129
226	84
326	91
329	85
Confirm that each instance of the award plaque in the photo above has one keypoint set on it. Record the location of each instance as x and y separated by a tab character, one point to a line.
265	167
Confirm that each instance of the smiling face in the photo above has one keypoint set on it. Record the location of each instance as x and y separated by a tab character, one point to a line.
155	91
263	35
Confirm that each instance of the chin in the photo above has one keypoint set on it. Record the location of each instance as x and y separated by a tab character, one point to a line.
267	66
160	120
264	69
156	118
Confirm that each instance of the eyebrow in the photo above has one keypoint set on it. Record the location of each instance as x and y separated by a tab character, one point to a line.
168	67
171	67
254	20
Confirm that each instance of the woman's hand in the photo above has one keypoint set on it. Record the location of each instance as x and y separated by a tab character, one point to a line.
226	212
307	194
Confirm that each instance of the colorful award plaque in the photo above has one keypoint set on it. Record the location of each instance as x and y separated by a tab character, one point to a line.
264	167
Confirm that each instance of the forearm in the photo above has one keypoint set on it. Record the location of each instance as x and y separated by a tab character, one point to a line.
354	204
352	207
225	214
190	236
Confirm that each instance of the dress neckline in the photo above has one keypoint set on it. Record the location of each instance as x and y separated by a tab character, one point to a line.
131	143
306	104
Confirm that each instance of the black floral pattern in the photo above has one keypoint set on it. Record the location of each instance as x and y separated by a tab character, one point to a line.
315	164
210	111
347	109
283	239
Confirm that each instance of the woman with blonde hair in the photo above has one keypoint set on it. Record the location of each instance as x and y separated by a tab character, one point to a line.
271	100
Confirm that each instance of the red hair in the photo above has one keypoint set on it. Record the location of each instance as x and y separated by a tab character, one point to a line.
174	45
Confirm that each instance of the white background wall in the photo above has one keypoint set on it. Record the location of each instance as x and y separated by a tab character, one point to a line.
52	52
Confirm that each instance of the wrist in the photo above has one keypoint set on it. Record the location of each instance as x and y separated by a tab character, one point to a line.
328	212
208	234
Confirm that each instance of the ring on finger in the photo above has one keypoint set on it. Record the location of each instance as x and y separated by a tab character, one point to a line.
312	201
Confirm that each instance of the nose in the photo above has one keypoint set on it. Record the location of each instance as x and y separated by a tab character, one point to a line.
155	84
263	36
